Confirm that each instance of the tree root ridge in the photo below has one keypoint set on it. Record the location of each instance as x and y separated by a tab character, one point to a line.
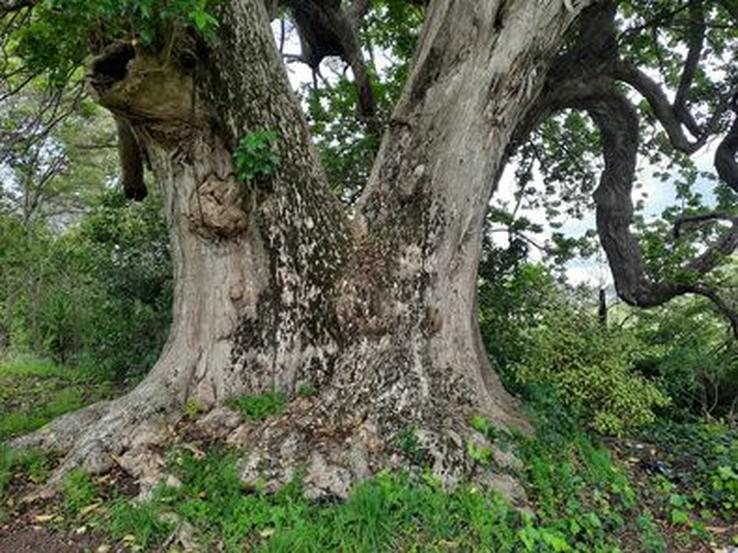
129	432
331	454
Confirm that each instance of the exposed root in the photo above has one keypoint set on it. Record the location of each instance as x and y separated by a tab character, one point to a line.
331	454
129	431
396	418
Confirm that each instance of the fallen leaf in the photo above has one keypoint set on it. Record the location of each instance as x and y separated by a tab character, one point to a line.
87	510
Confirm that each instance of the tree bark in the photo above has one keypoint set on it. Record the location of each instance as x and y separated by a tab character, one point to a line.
277	287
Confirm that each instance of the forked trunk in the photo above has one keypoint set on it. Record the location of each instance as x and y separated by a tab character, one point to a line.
278	289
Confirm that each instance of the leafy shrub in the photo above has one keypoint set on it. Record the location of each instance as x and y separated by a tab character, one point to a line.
701	461
97	294
511	300
693	356
724	481
591	369
55	39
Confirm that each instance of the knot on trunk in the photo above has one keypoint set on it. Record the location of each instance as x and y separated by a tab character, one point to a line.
218	207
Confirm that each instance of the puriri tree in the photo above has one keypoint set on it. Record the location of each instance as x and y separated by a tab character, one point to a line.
277	286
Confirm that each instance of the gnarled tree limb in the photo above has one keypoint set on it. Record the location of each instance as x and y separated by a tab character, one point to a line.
617	121
325	29
725	162
131	161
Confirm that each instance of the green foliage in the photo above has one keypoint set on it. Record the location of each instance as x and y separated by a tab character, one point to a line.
260	407
512	295
582	499
388	513
691	353
78	492
408	443
591	369
307	390
724	483
192	408
578	489
347	150
702	465
542	333
97	294
255	156
57	37
31	464
142	521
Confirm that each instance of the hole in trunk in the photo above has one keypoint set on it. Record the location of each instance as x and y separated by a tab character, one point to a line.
113	65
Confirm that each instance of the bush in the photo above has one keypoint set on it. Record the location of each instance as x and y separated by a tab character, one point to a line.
591	369
693	356
96	294
701	458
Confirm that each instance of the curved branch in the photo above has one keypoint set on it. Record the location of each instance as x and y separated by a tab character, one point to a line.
617	120
693	220
662	108
131	161
696	44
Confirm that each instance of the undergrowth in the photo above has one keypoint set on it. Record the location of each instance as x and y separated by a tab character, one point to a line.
581	499
33	392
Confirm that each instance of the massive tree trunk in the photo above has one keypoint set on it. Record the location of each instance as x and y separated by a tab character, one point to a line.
277	287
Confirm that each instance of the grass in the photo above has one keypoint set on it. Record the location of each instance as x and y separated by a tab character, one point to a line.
33	392
33	465
389	513
260	407
582	498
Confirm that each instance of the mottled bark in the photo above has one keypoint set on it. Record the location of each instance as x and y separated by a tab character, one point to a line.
276	287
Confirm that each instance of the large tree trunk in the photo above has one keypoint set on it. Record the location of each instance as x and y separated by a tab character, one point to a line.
276	287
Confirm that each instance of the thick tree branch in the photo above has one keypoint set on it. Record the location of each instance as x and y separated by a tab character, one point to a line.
357	11
618	123
691	64
696	220
725	162
662	108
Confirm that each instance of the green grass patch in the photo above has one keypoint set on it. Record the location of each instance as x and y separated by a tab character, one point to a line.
582	500
33	392
260	407
30	465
